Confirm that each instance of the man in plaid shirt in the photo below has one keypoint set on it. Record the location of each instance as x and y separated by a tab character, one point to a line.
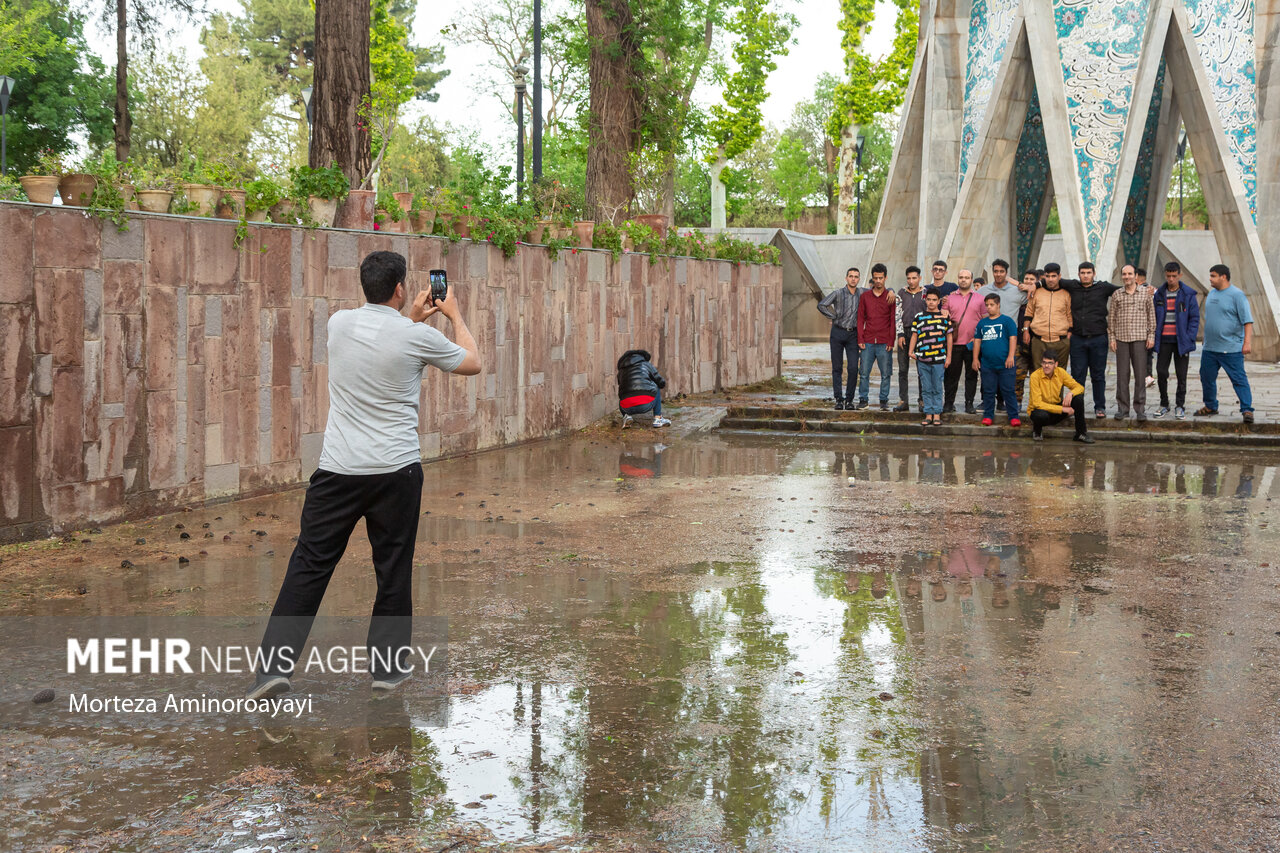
1131	325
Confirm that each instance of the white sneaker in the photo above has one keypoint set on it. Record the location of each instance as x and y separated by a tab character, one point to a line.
660	421
1151	380
626	421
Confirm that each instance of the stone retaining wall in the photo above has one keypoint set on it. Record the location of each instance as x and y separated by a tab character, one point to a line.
162	367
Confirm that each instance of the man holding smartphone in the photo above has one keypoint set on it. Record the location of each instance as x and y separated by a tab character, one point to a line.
370	467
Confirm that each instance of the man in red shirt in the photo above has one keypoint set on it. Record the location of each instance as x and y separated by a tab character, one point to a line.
876	337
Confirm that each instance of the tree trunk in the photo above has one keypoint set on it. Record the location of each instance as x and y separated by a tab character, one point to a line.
829	156
719	218
614	122
124	122
342	75
848	180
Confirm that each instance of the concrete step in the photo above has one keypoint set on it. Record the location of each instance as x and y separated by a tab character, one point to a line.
820	422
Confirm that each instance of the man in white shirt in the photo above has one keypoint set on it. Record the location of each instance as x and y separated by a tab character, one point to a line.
370	467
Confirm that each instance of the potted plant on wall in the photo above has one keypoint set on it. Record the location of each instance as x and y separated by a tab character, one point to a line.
199	189
260	195
390	216
320	190
422	216
76	188
154	189
41	184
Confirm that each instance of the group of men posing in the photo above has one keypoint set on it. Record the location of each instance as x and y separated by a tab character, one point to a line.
1002	331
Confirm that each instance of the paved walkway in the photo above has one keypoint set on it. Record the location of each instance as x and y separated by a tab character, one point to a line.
809	365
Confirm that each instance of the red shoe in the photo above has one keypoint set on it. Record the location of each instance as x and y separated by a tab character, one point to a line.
1014	422
986	421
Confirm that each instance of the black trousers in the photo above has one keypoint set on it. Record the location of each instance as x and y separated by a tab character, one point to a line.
1041	419
1169	352
844	348
904	371
961	361
389	504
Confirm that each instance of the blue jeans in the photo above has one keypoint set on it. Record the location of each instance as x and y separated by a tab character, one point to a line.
655	407
998	379
844	347
931	381
1089	356
883	358
1233	363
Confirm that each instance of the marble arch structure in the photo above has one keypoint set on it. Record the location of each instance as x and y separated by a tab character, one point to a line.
1013	104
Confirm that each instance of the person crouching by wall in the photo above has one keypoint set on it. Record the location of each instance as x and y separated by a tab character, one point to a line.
640	388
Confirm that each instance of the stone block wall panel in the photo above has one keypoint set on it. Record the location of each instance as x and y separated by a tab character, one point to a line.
162	366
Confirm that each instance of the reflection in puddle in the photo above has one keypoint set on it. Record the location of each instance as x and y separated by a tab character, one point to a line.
884	665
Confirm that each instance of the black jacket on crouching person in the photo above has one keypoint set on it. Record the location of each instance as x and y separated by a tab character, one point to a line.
639	384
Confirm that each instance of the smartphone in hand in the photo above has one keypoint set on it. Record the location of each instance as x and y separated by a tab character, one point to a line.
439	286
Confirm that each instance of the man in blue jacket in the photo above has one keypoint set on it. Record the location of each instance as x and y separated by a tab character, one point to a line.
1177	324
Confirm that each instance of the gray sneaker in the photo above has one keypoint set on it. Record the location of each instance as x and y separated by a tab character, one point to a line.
1162	411
627	421
266	686
390	682
1180	413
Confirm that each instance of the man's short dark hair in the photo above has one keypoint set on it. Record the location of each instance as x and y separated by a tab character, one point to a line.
1173	266
933	291
978	281
880	268
1222	270
942	264
1048	268
913	269
1142	271
853	269
1086	265
380	272
1049	356
1026	273
1000	262
993	297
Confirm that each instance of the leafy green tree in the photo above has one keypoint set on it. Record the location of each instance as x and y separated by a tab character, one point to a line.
65	90
795	176
167	92
737	123
809	125
417	158
24	34
234	116
871	87
394	74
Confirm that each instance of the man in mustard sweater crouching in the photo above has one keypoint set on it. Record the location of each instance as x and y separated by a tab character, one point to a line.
1052	393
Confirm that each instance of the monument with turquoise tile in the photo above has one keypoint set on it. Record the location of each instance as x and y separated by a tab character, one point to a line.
1017	105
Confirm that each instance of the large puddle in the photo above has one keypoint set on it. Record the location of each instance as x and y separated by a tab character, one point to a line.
736	642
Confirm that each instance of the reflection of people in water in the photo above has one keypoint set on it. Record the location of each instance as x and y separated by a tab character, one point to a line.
642	462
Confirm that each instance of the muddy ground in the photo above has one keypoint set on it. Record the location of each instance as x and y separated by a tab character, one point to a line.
696	641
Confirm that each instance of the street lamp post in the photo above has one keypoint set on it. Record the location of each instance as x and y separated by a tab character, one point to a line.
537	91
1182	150
6	89
857	147
307	94
520	70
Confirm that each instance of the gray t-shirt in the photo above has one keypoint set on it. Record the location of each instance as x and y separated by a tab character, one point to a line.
376	358
1011	296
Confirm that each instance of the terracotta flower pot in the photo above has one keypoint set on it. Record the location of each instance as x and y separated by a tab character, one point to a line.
283	212
77	189
130	196
231	204
560	232
40	188
357	211
462	226
422	221
656	221
405	200
323	210
585	229
538	232
154	201
256	216
203	198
